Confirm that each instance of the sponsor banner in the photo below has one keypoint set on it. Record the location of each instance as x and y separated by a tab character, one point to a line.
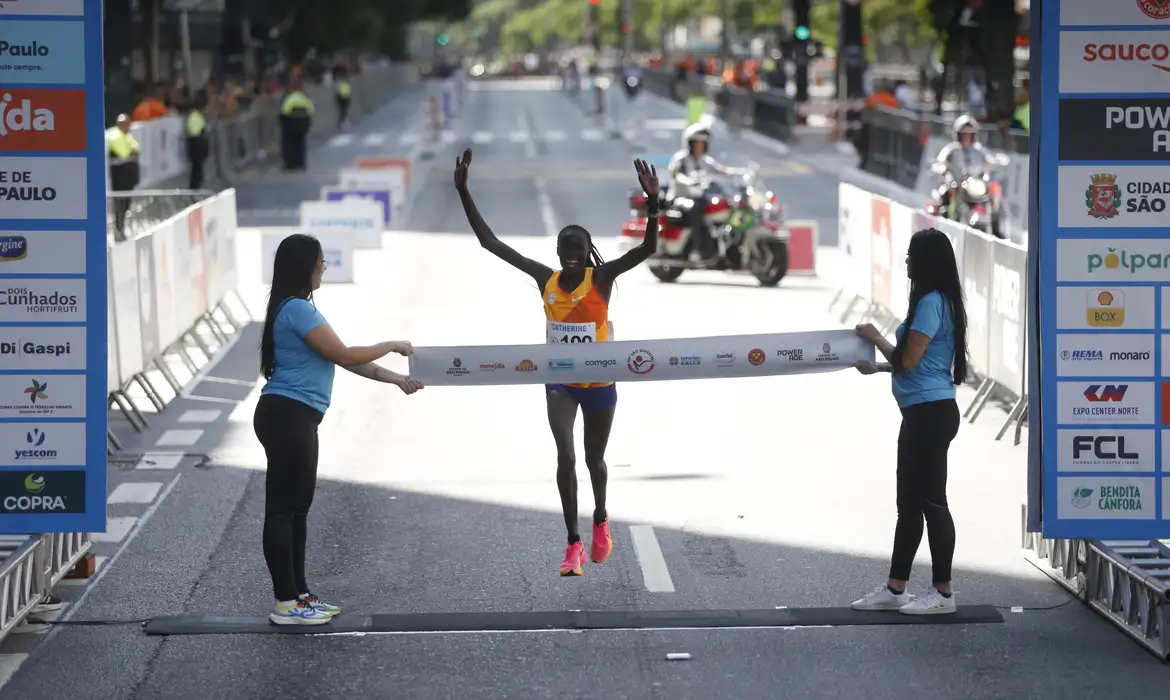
1105	308
641	360
42	252
195	266
881	224
165	287
1113	62
1101	355
1112	260
42	53
37	348
42	396
339	194
386	163
1105	498
1115	129
148	306
854	212
1118	13
978	262
1007	327
133	312
44	492
43	188
335	246
361	220
392	179
164	150
1118	196
1106	402
42	120
55	8
42	444
41	299
1106	450
113	379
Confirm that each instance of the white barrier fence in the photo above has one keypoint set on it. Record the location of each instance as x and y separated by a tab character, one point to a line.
874	236
168	293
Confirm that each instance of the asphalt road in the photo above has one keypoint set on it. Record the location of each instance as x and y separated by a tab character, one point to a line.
759	493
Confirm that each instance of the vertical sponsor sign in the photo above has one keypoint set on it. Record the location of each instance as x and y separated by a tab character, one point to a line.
882	251
1006	330
1102	254
977	265
54	275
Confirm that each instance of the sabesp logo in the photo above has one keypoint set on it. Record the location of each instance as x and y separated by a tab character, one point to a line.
1156	55
42	120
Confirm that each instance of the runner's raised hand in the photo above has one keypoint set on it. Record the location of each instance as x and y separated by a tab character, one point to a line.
647	177
462	163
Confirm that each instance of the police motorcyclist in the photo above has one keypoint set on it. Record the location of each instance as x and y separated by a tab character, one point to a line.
961	157
688	170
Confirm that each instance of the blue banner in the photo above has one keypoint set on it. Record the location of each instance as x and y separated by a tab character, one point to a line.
337	194
54	352
1104	268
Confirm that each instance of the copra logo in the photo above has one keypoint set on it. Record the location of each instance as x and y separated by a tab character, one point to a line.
35	450
34	484
1134	262
33	50
22	116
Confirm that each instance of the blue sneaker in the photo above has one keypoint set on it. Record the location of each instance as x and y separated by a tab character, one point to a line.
298	613
320	605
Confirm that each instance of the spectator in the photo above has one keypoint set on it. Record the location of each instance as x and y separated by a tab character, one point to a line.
124	152
151	106
1022	119
198	139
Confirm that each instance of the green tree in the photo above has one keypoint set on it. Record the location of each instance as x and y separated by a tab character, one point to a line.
906	25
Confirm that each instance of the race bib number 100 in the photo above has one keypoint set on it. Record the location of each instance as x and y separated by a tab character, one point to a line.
571	332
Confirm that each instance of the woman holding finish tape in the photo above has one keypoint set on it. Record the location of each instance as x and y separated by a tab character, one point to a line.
576	303
298	352
928	362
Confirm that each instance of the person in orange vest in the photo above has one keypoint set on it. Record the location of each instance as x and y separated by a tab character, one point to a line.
151	106
882	97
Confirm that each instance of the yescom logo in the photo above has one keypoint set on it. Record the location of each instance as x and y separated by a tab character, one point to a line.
1105	308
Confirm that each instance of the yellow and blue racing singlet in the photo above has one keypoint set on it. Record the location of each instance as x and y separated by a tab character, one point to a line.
580	316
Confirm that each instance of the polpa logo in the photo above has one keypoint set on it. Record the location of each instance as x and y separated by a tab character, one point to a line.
1080	497
1113	260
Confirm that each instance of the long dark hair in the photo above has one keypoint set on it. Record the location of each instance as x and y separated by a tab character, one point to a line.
292	277
932	268
594	258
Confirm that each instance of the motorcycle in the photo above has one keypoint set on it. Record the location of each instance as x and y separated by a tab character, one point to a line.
745	220
975	199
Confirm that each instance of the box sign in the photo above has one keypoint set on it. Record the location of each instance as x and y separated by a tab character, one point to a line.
337	248
340	194
1100	242
56	362
359	219
394	180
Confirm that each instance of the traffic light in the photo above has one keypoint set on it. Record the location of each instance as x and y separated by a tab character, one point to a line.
801	33
802	11
442	39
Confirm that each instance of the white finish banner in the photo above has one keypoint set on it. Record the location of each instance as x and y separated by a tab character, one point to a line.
360	219
641	360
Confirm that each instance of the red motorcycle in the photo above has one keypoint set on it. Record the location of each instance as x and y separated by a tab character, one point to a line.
746	222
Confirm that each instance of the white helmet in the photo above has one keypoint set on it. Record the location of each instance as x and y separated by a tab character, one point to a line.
695	133
965	124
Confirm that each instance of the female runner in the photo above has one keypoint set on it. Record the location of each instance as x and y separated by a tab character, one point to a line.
576	303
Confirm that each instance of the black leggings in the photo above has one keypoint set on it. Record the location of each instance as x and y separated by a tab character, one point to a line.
923	442
288	430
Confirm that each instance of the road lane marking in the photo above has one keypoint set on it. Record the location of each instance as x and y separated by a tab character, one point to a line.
481	137
519	136
529	144
592	135
116	529
553	136
340	140
140	492
374	140
654	572
160	460
196	415
179	438
9	663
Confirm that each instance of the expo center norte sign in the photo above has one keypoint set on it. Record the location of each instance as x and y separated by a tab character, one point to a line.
1100	252
54	355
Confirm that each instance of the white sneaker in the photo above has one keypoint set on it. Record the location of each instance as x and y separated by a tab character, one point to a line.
882	599
930	603
299	613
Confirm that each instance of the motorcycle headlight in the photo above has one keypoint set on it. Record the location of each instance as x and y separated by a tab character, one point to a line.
975	187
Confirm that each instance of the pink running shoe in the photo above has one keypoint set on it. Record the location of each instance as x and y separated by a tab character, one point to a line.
602	545
574	562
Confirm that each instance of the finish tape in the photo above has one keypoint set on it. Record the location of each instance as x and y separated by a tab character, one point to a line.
641	360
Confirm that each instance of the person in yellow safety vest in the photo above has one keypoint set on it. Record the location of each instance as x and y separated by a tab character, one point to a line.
124	151
296	118
198	139
1022	118
344	93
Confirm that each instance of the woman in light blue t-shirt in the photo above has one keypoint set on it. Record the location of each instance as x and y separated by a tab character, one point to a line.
298	353
927	362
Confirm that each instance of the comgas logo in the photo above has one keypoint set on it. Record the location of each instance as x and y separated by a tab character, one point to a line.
1113	260
1153	54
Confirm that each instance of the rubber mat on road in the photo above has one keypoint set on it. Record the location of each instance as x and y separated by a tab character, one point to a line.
584	620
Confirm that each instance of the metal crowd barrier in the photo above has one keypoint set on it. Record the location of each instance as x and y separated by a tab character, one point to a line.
898	140
30	566
144	209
